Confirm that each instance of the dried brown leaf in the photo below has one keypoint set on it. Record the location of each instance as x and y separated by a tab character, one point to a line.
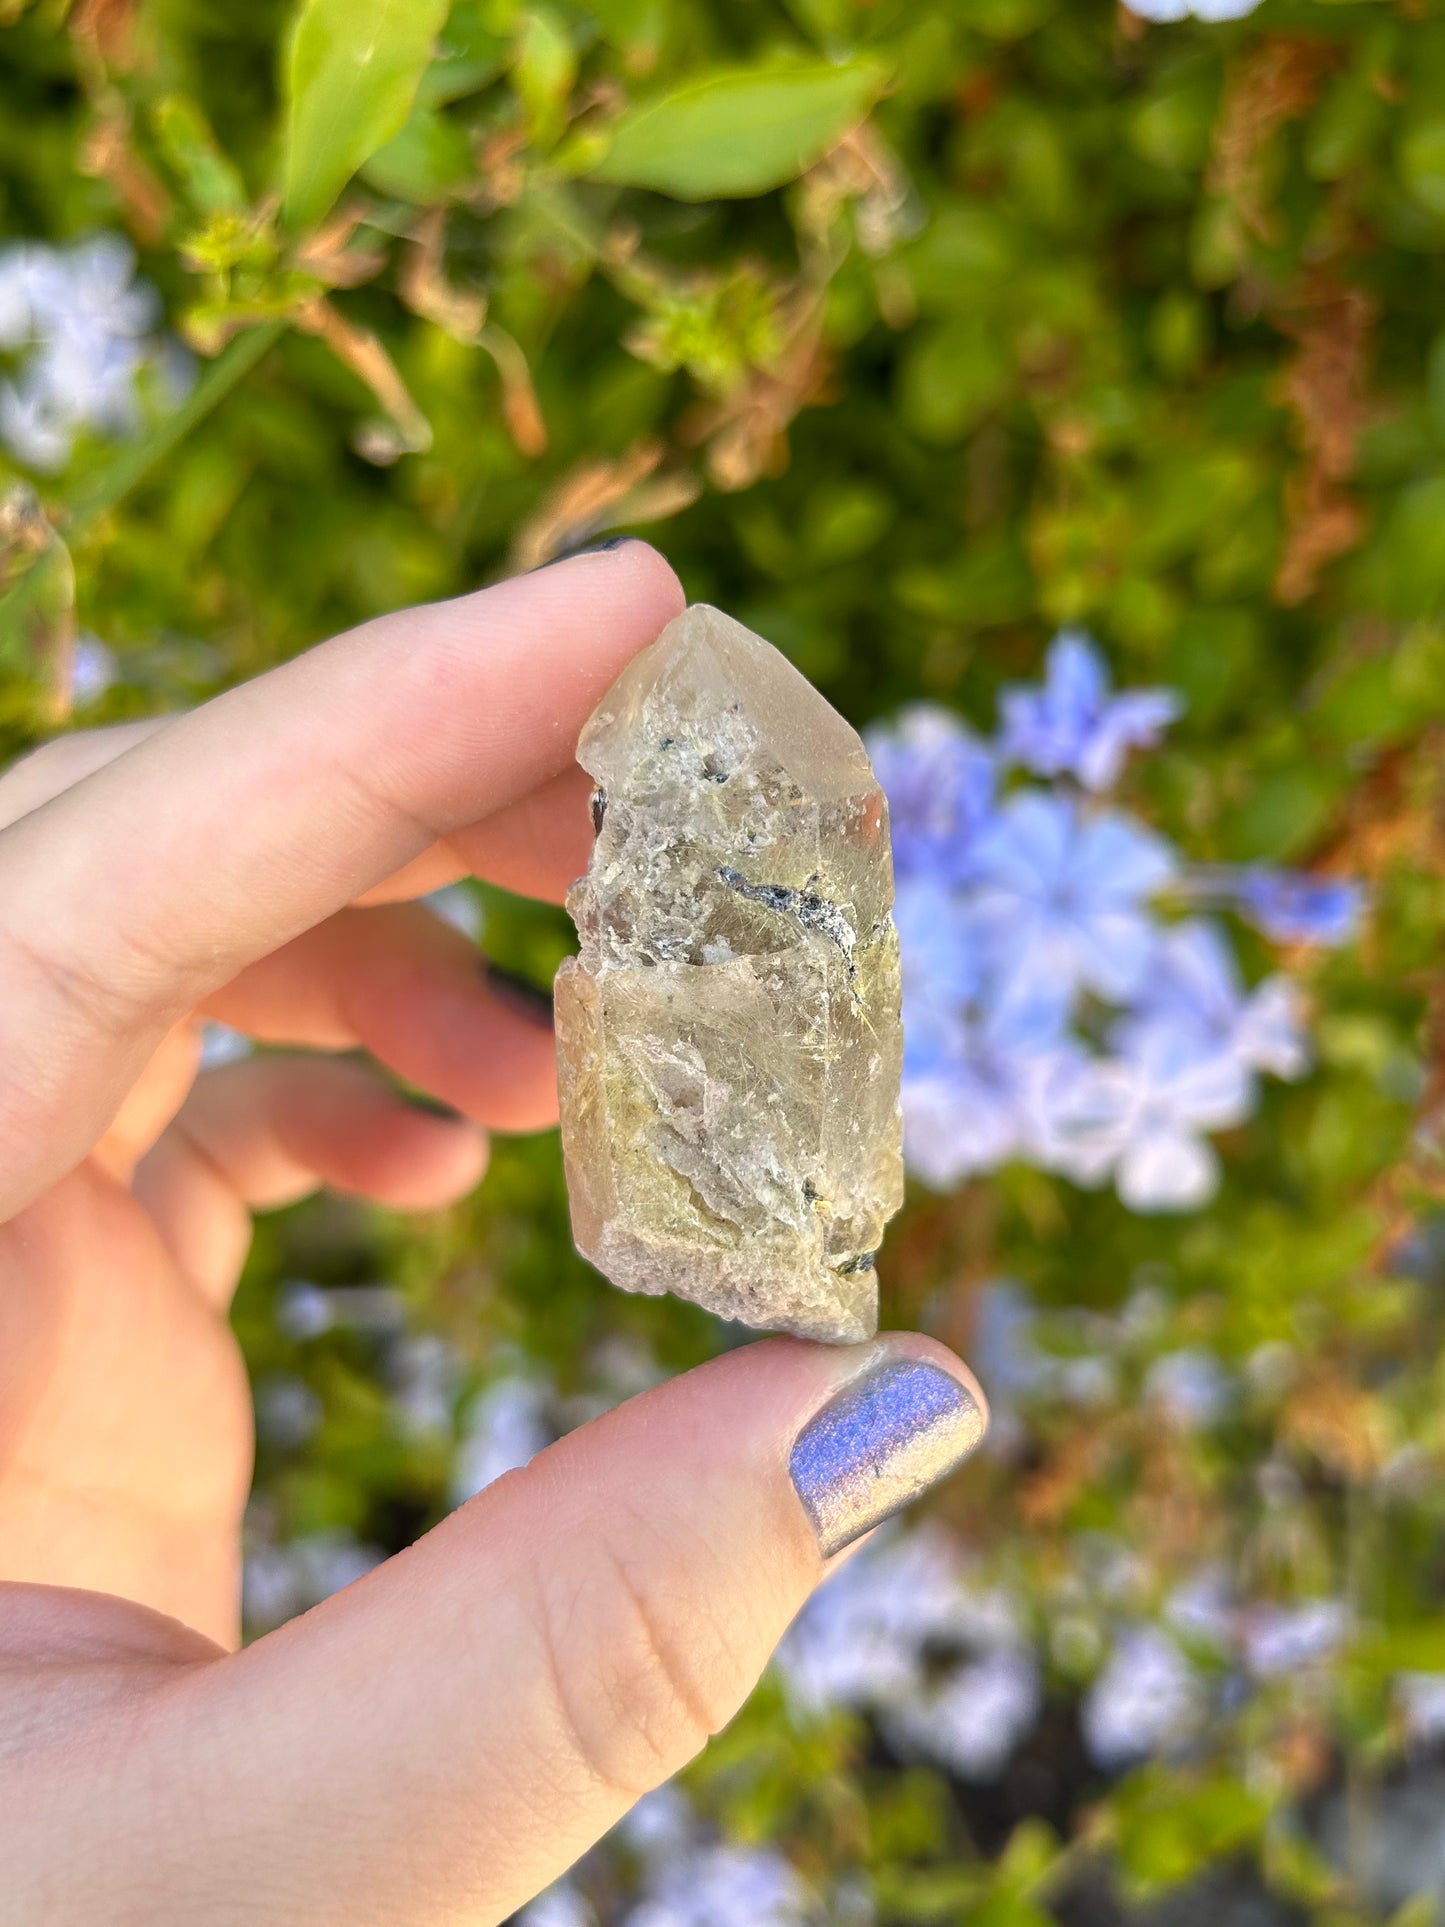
586	501
424	286
1324	388
745	432
521	411
360	351
106	154
1337	1422
1274	83
328	256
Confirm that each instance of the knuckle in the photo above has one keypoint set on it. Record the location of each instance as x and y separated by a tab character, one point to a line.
643	1672
132	988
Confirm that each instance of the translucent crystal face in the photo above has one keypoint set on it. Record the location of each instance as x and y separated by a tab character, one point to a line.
729	1040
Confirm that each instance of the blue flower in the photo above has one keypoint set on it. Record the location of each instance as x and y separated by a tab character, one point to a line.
1191	1386
861	1639
562	1905
1059	905
1019	917
1290	907
983	1103
1073	726
725	1886
1148	1699
939	781
941	966
1287	906
1193	989
1287	1639
1144	1117
972	1720
82	325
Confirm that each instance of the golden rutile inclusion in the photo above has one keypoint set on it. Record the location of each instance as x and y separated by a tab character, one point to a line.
729	1040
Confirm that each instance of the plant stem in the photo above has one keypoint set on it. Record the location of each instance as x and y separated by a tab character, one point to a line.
134	464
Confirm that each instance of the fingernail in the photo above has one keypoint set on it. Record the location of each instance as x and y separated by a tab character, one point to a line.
431	1107
878	1444
519	994
591	548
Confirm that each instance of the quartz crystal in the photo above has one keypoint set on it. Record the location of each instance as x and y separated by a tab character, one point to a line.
729	1040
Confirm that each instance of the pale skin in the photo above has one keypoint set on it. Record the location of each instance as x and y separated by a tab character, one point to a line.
438	1742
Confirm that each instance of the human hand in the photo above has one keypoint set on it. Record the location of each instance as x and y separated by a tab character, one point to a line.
440	1740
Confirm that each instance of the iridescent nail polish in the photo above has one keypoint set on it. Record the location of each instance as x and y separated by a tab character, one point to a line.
884	1439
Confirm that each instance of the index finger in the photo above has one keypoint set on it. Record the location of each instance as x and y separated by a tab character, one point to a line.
133	894
536	844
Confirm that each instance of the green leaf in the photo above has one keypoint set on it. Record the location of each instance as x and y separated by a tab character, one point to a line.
1172	129
631	25
1418	1648
427	162
738	131
469	55
1421	157
543	70
185	138
951	376
1166	1829
351	76
843	520
1006	19
139	459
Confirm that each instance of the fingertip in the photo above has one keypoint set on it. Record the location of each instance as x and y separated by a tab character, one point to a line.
434	1156
656	573
628	559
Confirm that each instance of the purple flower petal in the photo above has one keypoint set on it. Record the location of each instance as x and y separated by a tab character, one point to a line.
939	781
1291	907
1169	1170
1072	726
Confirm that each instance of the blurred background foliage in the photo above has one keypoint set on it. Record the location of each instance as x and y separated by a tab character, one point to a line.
909	331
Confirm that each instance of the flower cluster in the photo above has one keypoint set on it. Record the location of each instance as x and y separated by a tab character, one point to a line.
80	328
951	1655
906	1634
951	1662
1054	1013
688	1878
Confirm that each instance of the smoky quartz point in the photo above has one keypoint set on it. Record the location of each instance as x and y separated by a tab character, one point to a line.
729	1039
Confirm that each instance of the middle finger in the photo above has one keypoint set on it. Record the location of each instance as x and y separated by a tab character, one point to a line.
398	982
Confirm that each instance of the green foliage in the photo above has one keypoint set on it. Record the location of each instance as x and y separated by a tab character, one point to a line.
909	330
352	72
736	132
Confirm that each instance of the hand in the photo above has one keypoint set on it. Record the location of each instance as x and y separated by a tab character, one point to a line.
440	1740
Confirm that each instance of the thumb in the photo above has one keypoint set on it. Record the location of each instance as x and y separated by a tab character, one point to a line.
442	1739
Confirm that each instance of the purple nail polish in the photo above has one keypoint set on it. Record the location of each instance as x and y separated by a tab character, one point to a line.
880	1442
